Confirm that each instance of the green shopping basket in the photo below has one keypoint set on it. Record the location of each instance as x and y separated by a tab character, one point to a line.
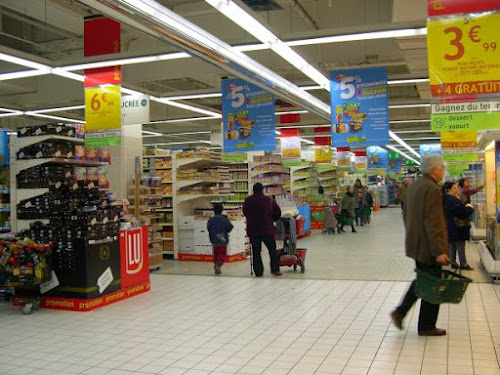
441	287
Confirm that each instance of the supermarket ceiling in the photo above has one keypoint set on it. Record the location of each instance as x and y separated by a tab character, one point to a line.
50	33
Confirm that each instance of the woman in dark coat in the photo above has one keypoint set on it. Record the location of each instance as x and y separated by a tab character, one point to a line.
349	205
455	207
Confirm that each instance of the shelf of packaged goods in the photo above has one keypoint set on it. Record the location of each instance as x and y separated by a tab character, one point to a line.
184	162
297	178
157	156
305	187
23	164
167	196
22	194
327	178
184	198
168	252
166	182
302	167
240	191
259	163
237	170
272	183
4	191
155	241
167	238
4	209
259	172
166	224
164	209
131	196
185	183
144	187
31	140
238	180
5	229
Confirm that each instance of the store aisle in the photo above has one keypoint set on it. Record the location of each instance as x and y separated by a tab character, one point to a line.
376	252
196	325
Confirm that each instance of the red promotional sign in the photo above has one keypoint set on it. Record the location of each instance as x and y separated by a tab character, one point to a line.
291	118
101	36
446	7
290	132
134	256
323	140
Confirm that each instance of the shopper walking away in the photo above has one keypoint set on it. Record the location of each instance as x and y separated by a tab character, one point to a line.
402	194
368	202
219	227
457	219
466	191
426	240
348	209
261	212
360	209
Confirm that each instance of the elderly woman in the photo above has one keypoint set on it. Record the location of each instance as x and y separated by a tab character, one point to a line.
349	205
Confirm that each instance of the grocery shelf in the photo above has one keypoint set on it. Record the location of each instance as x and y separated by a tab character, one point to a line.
156	156
188	197
238	180
168	252
165	224
22	164
164	209
240	191
185	183
5	229
5	209
300	178
258	173
5	191
183	162
237	170
328	178
167	238
257	164
32	140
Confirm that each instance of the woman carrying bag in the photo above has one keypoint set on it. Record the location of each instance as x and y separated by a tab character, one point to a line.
349	205
457	219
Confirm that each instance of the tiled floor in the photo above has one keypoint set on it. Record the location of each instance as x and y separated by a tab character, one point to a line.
294	325
197	325
376	252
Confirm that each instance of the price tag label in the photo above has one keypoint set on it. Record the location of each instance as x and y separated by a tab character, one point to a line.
102	108
464	55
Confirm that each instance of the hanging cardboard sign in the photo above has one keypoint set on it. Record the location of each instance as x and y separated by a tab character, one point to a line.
378	158
135	109
102	114
360	107
248	114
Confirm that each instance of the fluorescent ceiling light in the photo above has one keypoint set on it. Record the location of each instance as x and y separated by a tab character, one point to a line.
403	81
404	144
420	138
65	119
290	113
151	134
23	62
177	143
303	126
10	112
184	120
195	96
186	107
402	153
408	121
251	25
70	75
24	74
401	33
125	90
423	105
307	141
59	109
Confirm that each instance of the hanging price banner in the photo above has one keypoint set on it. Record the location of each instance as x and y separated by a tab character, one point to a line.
464	56
103	116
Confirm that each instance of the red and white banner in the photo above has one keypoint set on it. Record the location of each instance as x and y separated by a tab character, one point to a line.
290	143
446	7
134	256
323	145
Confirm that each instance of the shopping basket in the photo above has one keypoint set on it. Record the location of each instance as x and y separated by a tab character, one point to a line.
441	286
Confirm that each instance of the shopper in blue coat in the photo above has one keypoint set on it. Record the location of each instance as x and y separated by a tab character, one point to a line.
454	207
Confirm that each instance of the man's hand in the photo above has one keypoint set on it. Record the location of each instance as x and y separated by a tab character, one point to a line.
443	259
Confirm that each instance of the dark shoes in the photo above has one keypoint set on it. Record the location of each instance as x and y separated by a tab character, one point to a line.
454	266
467	268
354	230
277	273
397	319
217	269
433	332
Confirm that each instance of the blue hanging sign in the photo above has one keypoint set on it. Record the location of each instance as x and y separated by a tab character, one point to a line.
378	158
4	147
360	107
248	114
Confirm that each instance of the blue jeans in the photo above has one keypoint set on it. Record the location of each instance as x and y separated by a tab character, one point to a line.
360	213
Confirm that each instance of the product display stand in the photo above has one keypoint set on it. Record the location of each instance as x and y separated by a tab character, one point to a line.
304	180
489	250
161	166
328	178
240	185
5	207
269	171
145	200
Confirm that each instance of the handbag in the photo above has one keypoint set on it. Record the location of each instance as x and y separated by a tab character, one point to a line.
461	224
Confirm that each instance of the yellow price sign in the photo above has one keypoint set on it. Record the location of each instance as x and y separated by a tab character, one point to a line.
464	57
102	108
322	154
459	139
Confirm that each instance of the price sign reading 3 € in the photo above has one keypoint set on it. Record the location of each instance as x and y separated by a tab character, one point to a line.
102	108
464	56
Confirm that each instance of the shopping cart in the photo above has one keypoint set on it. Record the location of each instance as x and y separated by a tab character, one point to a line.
329	220
24	266
289	254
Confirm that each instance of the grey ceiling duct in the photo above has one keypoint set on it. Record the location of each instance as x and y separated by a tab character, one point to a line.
163	24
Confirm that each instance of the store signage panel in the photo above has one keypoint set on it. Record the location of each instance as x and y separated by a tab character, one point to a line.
102	115
4	147
360	107
395	163
446	7
135	109
465	116
343	158
290	147
322	145
378	158
459	146
134	256
463	55
248	117
497	173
